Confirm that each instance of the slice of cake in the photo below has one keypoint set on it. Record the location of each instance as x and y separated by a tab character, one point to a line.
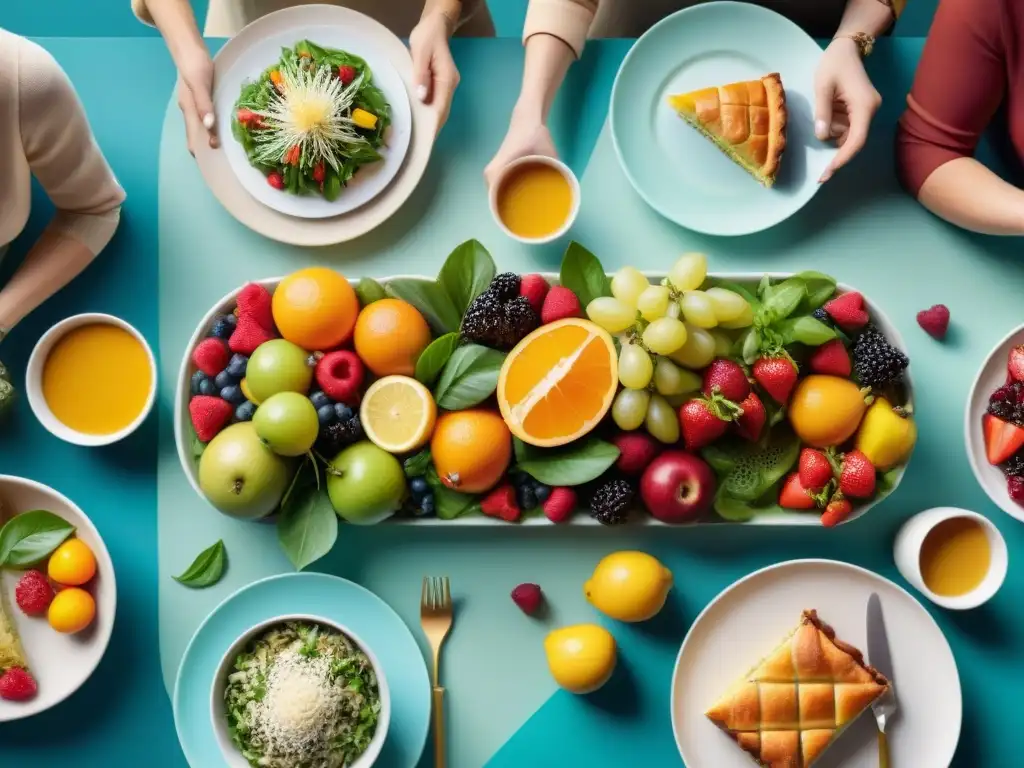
787	710
11	652
746	120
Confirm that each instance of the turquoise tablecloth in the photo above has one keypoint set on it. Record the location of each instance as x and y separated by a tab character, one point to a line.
860	228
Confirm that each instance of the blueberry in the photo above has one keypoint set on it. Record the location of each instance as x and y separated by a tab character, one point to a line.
197	380
233	394
325	414
319	400
541	491
237	366
207	387
230	319
245	411
526	497
225	379
222	329
427	505
418	486
343	411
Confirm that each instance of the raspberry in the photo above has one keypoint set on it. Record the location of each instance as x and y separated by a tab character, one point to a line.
209	416
501	503
534	288
1015	485
848	311
559	304
17	684
33	593
255	303
559	505
934	321
211	356
528	597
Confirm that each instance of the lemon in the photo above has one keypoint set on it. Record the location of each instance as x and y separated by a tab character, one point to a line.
398	414
581	658
826	410
887	435
629	586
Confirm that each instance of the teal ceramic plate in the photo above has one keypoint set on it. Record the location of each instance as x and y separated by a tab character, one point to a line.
681	174
363	612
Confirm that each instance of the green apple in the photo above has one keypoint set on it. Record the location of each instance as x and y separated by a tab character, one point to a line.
240	476
287	423
367	484
278	366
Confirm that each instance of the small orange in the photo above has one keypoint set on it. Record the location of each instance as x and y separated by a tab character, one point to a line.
72	610
315	308
558	382
390	335
471	449
72	564
826	410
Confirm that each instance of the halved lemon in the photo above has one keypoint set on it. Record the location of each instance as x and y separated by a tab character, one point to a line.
558	382
398	414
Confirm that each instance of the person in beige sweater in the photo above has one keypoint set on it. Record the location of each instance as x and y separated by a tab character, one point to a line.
427	23
556	31
44	133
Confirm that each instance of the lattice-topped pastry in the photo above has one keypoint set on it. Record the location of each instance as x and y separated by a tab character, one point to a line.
798	700
746	120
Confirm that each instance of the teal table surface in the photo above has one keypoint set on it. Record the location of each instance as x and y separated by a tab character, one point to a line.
177	251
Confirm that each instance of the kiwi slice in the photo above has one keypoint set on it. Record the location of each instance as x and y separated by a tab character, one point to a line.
758	466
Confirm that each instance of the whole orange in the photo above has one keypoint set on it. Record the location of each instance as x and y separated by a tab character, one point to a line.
315	308
390	335
72	610
471	449
72	564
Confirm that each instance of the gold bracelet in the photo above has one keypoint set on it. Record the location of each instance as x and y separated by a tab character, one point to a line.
865	42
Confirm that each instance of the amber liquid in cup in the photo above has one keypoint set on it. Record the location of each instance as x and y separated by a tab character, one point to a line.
955	557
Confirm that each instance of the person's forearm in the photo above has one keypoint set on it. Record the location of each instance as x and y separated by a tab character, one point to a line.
966	193
547	61
871	16
177	24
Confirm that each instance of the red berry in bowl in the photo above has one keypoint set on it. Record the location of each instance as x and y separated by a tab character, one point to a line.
340	375
1015	486
33	593
528	597
16	684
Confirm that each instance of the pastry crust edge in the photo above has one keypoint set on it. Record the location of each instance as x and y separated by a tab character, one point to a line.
778	117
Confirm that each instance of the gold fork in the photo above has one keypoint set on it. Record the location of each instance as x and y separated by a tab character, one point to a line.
436	618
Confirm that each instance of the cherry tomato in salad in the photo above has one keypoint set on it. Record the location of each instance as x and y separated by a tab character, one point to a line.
319	173
291	157
346	74
275	179
249	118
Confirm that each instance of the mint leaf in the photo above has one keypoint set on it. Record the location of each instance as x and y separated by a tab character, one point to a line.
469	377
207	569
430	299
820	288
583	274
576	464
307	527
31	537
466	273
432	360
781	300
805	330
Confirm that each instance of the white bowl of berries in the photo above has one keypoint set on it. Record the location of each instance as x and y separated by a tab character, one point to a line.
994	424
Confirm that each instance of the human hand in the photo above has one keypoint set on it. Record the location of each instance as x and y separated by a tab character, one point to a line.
195	98
845	102
526	136
434	69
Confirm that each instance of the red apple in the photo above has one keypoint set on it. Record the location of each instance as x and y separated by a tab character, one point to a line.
677	487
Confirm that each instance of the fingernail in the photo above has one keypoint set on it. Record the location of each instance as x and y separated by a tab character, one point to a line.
421	92
820	129
208	120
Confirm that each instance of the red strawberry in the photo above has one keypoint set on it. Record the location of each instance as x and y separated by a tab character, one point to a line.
727	378
794	496
33	593
560	505
837	510
17	684
340	375
857	478
1015	363
636	451
209	415
535	288
501	503
248	335
254	302
934	321
777	376
815	469
1002	439
559	304
346	74
750	423
700	423
831	358
848	311
528	597
211	356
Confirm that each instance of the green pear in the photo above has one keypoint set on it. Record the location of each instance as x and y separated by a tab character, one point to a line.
366	484
241	476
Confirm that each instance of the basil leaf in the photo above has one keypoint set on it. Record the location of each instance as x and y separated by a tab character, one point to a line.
764	288
30	537
466	273
577	464
783	299
820	288
469	377
583	274
207	569
307	527
197	446
417	465
431	361
430	299
369	290
805	330
448	503
751	348
522	450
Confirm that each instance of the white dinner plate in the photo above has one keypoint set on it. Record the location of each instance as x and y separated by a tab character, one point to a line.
751	617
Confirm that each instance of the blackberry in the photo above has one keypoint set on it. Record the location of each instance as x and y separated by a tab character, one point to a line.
876	361
505	286
484	319
1014	466
338	435
610	503
1003	410
520	320
823	316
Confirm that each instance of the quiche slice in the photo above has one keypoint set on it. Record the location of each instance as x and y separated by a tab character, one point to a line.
11	652
796	702
745	120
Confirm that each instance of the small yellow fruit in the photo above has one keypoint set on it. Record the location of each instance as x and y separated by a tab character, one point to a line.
72	610
826	410
72	563
887	435
629	586
581	658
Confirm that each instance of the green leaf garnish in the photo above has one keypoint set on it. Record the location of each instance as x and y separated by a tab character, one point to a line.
466	273
805	330
307	526
207	569
469	377
583	274
432	360
30	537
576	464
430	299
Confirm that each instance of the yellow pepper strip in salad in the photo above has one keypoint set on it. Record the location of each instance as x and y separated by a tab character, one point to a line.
364	119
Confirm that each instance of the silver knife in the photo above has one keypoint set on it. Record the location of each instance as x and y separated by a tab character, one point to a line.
878	656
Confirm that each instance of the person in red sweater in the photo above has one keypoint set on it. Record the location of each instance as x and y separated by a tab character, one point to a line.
972	65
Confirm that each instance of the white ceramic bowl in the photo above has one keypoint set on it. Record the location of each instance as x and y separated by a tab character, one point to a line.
59	663
34	380
907	552
991	376
189	465
574	186
231	754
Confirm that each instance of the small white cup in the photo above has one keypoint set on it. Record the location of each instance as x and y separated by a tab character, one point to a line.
574	186
34	380
910	541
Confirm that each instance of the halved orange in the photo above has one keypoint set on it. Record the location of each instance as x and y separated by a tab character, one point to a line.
558	382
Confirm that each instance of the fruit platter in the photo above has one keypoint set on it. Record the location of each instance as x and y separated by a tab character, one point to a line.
478	397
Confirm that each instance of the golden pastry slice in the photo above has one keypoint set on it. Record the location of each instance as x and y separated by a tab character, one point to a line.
796	702
11	653
746	120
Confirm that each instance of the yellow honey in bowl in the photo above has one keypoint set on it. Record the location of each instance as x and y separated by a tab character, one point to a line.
97	379
955	557
534	200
